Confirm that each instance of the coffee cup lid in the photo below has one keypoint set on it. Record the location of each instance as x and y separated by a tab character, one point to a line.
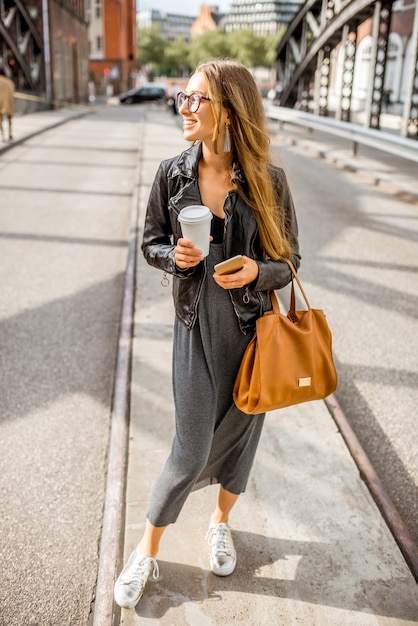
195	214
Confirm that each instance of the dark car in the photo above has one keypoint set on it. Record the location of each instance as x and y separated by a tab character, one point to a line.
146	93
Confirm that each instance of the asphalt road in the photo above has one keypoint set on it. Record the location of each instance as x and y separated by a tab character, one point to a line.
65	201
359	263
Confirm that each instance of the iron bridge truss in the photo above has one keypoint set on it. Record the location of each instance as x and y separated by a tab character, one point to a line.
304	57
21	45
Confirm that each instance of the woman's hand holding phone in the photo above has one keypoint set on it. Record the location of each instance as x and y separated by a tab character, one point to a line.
236	272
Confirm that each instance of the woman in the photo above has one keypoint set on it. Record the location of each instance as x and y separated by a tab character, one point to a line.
229	170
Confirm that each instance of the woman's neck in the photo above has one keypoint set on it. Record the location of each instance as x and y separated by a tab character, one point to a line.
218	162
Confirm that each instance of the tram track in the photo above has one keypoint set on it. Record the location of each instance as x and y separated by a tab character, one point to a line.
375	486
111	543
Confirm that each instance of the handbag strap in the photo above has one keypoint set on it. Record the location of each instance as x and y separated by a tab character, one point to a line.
296	277
292	308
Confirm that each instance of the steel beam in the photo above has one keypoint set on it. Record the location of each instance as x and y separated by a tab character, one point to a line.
21	37
381	30
410	116
347	15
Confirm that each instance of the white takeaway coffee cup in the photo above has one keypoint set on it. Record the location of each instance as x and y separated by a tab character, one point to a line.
195	225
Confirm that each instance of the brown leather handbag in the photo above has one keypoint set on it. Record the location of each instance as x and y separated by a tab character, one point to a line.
288	361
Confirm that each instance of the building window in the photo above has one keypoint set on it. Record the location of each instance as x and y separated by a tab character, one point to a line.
98	43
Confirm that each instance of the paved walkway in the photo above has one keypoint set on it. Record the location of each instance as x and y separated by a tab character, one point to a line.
312	546
26	126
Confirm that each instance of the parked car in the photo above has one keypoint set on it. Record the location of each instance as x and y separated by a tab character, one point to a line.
145	93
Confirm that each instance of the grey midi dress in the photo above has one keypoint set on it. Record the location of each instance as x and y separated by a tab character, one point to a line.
214	441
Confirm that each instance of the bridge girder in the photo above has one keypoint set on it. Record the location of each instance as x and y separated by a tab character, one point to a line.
328	33
22	44
303	56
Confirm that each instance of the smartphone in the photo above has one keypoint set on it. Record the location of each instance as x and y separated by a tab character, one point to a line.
230	266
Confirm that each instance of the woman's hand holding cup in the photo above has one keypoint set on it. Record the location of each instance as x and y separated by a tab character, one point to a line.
186	254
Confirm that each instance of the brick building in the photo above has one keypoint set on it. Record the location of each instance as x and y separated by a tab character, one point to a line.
68	50
112	44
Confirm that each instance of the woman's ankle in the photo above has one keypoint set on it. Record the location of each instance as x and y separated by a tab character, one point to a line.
146	550
150	542
218	518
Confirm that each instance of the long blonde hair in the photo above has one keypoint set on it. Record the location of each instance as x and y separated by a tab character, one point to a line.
231	86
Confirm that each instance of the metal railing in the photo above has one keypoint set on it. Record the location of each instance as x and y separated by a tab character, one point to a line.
357	134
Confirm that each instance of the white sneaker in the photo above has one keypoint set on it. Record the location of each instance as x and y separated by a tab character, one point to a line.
131	582
223	557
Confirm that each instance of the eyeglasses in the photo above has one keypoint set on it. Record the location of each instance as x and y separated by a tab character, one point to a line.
193	101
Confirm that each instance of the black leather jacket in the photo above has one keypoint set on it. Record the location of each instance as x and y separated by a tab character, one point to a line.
175	187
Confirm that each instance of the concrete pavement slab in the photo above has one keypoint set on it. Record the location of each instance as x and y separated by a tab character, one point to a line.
313	548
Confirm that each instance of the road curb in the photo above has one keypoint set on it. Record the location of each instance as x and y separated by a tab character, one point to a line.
388	510
105	612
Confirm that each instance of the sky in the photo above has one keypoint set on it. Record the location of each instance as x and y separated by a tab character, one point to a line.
181	7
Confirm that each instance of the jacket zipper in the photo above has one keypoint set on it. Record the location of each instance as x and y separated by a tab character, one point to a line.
193	313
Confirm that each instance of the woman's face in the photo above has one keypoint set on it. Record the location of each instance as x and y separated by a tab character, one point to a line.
199	125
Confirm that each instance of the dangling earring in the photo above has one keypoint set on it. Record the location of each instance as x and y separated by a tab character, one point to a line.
227	142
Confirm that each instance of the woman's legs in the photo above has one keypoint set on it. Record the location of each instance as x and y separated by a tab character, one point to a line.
223	557
150	542
131	582
226	501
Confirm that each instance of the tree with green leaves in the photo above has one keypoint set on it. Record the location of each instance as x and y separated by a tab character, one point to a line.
176	58
151	49
248	48
213	43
